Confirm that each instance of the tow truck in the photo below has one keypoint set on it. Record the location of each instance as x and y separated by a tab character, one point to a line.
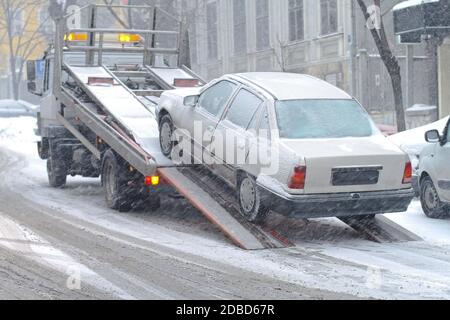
97	117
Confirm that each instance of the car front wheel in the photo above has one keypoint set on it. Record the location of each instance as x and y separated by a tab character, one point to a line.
165	136
250	200
431	203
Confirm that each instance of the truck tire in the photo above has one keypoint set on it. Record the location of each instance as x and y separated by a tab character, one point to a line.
431	203
249	199
56	171
114	183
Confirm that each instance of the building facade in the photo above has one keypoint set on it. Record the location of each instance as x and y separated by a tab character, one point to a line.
328	39
31	30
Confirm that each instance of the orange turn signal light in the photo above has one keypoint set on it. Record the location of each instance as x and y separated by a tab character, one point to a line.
76	37
126	37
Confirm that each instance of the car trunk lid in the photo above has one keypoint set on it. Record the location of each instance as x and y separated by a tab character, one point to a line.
350	164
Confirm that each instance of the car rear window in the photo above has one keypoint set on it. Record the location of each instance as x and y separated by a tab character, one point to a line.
317	119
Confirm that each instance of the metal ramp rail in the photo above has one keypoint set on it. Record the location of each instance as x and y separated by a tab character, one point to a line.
380	229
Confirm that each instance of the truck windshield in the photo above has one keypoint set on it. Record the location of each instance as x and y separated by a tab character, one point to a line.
317	119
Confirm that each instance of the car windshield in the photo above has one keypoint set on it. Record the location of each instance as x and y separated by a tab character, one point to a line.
317	119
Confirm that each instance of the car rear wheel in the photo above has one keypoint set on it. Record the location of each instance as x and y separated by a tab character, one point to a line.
165	135
431	203
250	200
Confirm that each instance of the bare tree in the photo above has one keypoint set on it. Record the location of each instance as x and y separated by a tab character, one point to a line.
280	54
22	31
389	59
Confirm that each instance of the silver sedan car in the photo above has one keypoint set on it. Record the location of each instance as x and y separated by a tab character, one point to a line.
289	143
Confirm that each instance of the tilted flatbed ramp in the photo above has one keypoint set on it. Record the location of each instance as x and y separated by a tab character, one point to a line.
166	76
203	197
125	108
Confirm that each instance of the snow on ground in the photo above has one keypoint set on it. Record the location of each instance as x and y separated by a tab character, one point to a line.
18	134
18	238
329	255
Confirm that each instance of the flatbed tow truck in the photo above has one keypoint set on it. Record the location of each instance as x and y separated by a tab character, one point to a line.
98	119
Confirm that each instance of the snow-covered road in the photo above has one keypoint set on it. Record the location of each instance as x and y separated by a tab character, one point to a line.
176	253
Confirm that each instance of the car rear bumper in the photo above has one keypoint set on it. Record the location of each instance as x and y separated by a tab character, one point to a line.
337	204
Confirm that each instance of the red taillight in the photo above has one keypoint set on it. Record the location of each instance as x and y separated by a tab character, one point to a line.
407	175
298	178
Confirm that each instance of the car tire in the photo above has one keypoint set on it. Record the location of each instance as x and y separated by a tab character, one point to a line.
56	171
431	203
165	135
249	199
114	184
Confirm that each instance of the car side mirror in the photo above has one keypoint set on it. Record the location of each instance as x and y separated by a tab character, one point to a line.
191	101
432	136
34	74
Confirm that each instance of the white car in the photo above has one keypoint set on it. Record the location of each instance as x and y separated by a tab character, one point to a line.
13	108
434	173
333	161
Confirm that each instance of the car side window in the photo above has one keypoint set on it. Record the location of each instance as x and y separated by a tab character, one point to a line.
215	98
260	123
243	109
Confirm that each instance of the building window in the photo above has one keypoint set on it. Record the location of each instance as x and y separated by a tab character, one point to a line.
240	27
46	23
328	16
262	25
296	20
192	34
211	29
17	23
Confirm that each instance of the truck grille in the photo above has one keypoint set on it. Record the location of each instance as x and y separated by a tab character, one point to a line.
355	176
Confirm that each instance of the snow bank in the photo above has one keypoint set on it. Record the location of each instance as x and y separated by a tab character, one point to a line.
18	133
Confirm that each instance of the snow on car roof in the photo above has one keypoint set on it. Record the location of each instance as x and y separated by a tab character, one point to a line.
411	3
292	86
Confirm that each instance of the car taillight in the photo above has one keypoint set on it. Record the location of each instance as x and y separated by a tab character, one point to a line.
298	178
407	175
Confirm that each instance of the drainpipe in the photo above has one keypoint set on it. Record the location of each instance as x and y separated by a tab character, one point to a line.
353	49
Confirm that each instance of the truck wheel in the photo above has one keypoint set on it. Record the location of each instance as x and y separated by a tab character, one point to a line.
249	199
114	184
431	203
165	136
56	171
